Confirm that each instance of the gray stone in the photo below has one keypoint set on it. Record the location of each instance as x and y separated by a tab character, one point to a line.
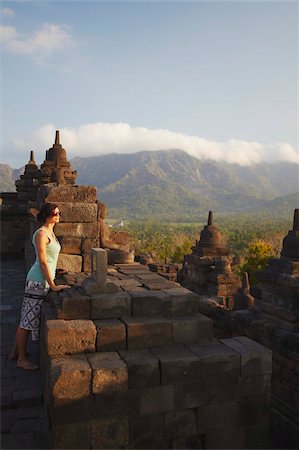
110	373
157	399
143	368
148	331
110	306
178	364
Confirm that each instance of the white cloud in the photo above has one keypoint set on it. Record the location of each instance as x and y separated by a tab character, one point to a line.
7	12
49	38
102	138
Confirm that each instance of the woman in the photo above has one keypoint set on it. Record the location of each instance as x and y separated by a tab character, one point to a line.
39	280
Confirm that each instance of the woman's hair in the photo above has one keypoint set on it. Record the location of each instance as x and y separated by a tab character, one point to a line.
46	211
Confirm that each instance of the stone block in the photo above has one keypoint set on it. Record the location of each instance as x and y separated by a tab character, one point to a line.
74	436
148	331
222	439
71	245
254	387
157	399
254	412
79	230
110	306
111	335
63	411
143	368
183	301
177	364
180	423
148	303
78	212
65	193
257	436
143	429
110	373
88	244
189	395
192	329
109	432
70	263
216	357
220	388
70	337
86	263
190	442
70	377
217	417
255	358
73	305
117	402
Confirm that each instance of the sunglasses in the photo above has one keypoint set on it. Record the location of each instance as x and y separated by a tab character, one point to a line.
56	214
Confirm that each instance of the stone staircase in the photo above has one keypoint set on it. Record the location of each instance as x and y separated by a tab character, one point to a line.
140	368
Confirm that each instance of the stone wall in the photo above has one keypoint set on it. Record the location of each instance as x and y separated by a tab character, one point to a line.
15	225
140	368
78	230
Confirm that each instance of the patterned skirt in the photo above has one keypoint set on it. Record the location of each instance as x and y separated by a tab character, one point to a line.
35	294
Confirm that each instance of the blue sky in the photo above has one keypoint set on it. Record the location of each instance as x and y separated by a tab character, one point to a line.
218	79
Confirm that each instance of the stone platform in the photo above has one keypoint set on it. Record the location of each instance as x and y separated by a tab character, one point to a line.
22	412
140	368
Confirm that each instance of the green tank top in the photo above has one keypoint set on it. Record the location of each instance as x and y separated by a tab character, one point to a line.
52	253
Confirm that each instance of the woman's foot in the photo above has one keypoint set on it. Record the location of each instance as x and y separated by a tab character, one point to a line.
27	365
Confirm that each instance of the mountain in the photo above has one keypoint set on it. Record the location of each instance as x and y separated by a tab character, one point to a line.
174	185
7	178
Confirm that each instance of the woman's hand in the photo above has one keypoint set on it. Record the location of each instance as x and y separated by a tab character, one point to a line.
59	287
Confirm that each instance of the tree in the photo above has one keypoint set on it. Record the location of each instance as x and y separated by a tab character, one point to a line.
257	254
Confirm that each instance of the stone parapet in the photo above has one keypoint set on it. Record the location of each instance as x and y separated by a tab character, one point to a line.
145	371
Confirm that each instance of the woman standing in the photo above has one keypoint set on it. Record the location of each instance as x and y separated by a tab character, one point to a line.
39	280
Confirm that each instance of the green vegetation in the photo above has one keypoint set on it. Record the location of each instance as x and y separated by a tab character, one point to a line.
252	239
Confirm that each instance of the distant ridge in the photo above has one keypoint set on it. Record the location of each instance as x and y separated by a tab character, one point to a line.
172	184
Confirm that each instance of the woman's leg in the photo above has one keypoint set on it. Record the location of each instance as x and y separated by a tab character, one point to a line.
21	344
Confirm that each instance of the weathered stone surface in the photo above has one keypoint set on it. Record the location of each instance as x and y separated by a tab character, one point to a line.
78	212
178	364
144	429
148	303
66	410
217	418
222	439
64	193
220	388
157	399
255	358
183	301
216	358
81	230
70	263
110	432
257	436
117	402
70	337
70	377
110	373
111	335
75	436
143	368
254	411
110	306
254	387
189	395
120	254
73	305
180	423
88	244
148	331
192	329
71	245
